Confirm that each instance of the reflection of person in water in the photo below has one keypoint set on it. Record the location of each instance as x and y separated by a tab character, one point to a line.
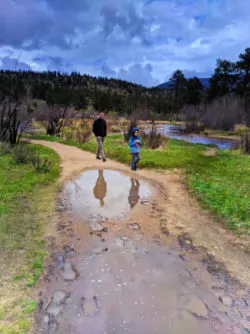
134	197
100	189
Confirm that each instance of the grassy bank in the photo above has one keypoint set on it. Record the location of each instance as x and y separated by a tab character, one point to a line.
26	198
220	182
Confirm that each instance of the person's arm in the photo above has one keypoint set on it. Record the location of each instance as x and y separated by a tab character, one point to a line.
94	127
131	143
105	129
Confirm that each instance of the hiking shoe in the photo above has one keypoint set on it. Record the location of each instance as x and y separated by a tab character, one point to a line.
104	159
98	158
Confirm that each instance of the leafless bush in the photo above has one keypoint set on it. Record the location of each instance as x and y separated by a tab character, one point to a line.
221	114
80	132
153	138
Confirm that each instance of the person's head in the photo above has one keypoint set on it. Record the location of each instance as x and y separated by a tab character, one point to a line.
102	115
135	132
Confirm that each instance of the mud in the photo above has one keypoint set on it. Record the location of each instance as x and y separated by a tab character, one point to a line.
113	275
161	266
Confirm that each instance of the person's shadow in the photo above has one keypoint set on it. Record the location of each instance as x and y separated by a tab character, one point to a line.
100	189
134	197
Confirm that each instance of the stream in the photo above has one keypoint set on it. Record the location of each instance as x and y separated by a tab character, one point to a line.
177	132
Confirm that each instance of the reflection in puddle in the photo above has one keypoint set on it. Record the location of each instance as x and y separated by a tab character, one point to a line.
106	193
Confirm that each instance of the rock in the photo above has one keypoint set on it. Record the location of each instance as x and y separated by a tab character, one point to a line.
46	319
90	306
164	229
234	315
54	310
95	227
134	226
65	224
98	251
226	300
197	308
68	272
60	261
240	303
218	291
59	297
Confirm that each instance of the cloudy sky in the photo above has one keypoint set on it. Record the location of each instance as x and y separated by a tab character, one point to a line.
142	41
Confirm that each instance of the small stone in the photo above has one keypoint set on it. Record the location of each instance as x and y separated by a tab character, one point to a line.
46	319
65	224
196	307
95	227
226	300
98	251
68	272
234	315
60	261
54	310
134	226
59	297
240	303
90	306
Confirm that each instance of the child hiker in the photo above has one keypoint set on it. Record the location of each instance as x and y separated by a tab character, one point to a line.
135	143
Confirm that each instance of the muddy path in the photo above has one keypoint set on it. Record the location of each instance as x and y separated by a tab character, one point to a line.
135	253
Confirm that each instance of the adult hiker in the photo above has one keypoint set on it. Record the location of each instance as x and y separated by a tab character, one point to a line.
100	189
100	131
134	197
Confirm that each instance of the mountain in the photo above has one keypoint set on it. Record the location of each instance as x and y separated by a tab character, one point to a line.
204	81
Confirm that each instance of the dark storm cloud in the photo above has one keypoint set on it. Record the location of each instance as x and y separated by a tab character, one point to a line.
118	37
129	22
52	62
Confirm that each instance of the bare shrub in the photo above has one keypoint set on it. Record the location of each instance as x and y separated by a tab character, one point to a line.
80	131
191	115
221	114
153	138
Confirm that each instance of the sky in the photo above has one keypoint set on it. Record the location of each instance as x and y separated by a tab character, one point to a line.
143	41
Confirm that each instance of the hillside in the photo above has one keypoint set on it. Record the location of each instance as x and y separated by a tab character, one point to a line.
168	84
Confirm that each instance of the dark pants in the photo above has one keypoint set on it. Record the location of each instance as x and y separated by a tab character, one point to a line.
134	160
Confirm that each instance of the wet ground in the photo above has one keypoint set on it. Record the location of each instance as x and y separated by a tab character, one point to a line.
117	269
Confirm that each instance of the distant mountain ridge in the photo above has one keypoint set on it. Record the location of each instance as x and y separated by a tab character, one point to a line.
204	81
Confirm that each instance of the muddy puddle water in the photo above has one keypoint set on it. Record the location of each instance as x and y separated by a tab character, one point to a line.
105	192
114	279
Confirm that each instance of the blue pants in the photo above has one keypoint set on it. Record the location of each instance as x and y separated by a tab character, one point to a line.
134	160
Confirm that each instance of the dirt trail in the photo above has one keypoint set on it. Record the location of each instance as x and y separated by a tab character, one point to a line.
180	209
133	253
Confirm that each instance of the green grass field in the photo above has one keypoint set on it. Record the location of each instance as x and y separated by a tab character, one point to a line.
220	182
26	197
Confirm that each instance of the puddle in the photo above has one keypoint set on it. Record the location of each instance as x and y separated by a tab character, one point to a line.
105	193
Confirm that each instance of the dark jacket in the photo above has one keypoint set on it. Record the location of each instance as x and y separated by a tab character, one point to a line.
100	127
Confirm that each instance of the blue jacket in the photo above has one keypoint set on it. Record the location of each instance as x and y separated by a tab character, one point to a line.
134	147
